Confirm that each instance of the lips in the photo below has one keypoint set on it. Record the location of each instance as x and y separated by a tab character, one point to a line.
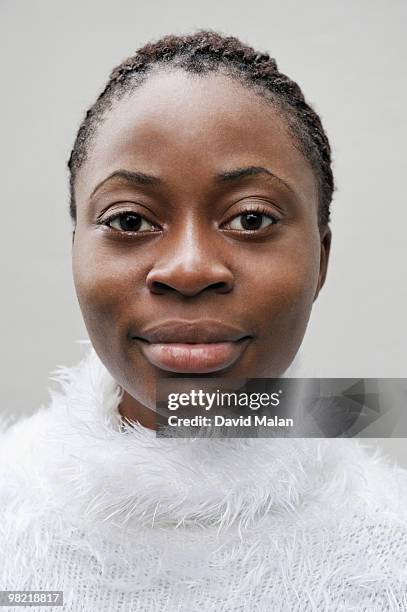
192	347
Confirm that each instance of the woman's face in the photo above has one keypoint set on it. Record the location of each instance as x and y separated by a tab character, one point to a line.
197	250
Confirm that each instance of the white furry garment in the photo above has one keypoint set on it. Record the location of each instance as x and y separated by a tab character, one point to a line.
122	521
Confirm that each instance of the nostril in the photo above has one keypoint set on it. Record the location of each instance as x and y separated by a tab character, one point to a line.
158	287
191	280
221	287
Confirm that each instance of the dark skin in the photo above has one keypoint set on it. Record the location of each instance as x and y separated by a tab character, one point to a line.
209	151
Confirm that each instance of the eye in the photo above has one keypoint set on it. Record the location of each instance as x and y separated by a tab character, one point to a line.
130	222
252	220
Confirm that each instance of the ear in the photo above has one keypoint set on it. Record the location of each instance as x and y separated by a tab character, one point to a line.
326	239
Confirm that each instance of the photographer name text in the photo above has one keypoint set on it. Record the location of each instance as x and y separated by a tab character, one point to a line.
251	420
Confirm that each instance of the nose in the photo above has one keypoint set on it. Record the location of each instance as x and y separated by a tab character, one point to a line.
189	265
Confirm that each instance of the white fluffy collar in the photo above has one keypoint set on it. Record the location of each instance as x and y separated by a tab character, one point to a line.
76	455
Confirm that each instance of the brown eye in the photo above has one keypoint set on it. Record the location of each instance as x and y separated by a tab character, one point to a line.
131	222
251	221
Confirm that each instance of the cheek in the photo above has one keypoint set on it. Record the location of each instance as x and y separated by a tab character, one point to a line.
108	290
281	298
291	286
103	285
283	284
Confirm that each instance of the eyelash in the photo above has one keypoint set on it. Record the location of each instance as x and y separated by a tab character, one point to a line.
257	210
123	213
253	209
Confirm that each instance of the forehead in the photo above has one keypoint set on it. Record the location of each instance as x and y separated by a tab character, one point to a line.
181	125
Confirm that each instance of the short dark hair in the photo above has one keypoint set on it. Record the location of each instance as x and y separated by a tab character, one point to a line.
201	53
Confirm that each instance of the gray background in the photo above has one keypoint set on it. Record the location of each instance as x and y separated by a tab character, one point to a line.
349	58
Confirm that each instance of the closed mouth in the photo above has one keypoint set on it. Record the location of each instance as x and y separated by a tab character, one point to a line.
192	347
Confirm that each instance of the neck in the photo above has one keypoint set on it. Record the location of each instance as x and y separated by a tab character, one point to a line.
132	410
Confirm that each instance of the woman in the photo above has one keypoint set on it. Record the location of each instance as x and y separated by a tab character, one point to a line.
200	192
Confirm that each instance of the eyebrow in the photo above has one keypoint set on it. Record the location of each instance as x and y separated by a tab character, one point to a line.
136	178
141	178
241	173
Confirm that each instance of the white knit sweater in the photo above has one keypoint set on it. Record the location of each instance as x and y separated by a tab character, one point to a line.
123	521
